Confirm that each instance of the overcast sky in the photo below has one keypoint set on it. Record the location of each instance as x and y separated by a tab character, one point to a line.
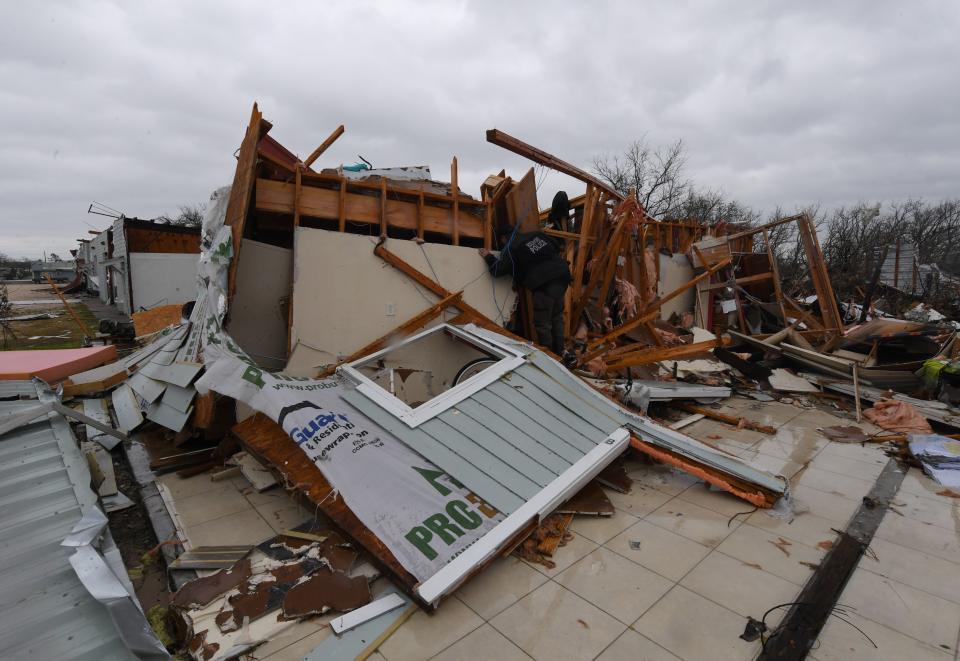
141	105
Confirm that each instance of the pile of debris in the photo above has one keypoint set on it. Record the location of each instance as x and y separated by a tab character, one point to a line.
347	345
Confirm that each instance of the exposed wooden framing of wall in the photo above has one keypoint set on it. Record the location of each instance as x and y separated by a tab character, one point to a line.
392	207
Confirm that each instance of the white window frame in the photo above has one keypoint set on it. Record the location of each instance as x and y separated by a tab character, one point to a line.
510	359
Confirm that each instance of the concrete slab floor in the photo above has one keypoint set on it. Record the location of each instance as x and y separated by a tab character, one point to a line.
677	572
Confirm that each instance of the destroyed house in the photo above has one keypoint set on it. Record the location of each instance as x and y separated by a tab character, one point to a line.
141	264
354	419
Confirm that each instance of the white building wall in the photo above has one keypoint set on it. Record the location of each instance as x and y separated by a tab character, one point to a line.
162	278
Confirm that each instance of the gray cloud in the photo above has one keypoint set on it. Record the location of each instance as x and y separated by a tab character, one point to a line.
142	106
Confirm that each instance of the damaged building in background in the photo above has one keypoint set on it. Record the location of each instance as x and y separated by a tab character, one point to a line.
141	264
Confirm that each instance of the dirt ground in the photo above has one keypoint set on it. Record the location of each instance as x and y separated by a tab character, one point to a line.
61	332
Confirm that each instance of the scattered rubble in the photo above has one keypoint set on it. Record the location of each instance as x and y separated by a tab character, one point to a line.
390	385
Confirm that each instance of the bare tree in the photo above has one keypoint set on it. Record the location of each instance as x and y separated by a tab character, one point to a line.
657	174
189	216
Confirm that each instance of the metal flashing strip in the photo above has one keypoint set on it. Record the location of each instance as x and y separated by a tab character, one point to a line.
664	436
355	618
510	359
543	503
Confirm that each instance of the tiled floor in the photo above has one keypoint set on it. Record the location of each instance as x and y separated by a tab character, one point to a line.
676	571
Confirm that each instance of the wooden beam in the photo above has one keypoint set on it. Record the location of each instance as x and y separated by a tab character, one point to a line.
238	204
744	423
337	132
326	180
649	355
739	281
404	329
501	139
776	275
821	279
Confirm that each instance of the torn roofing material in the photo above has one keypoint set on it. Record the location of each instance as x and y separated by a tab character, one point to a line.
45	611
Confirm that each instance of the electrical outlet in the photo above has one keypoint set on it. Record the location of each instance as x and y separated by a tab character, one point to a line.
391	309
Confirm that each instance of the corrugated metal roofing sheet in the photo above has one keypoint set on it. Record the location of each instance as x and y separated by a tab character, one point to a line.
17	390
45	611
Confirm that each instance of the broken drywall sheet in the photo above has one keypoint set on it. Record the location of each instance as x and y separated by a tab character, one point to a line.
259	309
675	271
330	322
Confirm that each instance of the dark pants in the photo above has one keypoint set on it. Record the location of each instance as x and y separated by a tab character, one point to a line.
548	315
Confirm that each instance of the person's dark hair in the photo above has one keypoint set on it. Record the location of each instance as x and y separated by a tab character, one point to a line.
560	210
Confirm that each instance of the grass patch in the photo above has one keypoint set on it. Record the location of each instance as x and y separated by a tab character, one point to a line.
58	333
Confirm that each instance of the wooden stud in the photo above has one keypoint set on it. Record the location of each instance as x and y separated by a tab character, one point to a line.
488	222
56	290
580	259
420	214
298	181
455	191
341	206
383	207
337	132
776	275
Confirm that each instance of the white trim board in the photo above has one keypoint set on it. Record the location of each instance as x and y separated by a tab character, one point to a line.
543	503
510	359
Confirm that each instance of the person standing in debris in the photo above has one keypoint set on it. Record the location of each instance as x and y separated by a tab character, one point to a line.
537	265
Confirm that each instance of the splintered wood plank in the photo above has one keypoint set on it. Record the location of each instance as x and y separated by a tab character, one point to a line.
517	146
337	132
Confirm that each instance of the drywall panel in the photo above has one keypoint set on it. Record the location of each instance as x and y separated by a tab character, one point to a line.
161	279
258	312
344	296
675	271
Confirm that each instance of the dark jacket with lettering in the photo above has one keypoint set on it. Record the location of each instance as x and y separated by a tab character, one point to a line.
533	259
